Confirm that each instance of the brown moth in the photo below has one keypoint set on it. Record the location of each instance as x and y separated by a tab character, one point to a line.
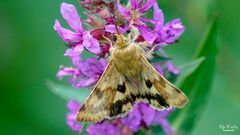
128	79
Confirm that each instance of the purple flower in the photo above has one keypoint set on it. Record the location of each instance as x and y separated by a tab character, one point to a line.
91	70
171	68
160	118
168	64
73	106
134	15
86	73
74	55
158	67
103	128
78	38
169	33
143	115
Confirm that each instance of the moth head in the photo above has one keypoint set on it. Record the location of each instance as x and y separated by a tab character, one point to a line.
121	40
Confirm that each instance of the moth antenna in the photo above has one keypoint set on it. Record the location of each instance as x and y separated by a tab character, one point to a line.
111	43
115	21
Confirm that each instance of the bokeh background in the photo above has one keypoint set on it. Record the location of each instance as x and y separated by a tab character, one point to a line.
31	52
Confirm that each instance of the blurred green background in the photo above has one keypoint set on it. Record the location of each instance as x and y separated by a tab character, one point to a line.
31	52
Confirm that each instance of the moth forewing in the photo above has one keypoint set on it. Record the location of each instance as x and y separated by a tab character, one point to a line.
128	79
108	99
166	94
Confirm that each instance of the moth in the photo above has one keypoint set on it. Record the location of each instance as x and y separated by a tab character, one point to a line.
128	79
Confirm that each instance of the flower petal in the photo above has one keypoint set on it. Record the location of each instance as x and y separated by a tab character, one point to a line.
85	82
70	14
147	5
73	105
76	127
103	128
158	17
91	43
74	54
158	67
173	31
166	126
126	13
66	71
93	68
133	120
147	35
171	68
65	34
134	4
147	113
112	28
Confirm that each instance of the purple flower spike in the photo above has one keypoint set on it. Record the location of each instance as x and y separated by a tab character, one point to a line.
73	106
79	38
104	128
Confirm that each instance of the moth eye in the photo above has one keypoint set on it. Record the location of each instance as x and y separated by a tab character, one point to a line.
121	88
148	83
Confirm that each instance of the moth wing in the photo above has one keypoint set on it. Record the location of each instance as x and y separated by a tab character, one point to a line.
108	99
158	91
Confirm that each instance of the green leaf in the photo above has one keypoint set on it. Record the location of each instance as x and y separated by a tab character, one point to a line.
157	130
68	93
188	69
198	85
141	132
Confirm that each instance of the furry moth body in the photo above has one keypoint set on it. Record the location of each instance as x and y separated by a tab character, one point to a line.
128	79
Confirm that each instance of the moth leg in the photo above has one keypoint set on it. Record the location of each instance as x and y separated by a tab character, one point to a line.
148	52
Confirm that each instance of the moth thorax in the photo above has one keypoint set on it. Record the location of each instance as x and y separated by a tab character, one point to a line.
121	40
